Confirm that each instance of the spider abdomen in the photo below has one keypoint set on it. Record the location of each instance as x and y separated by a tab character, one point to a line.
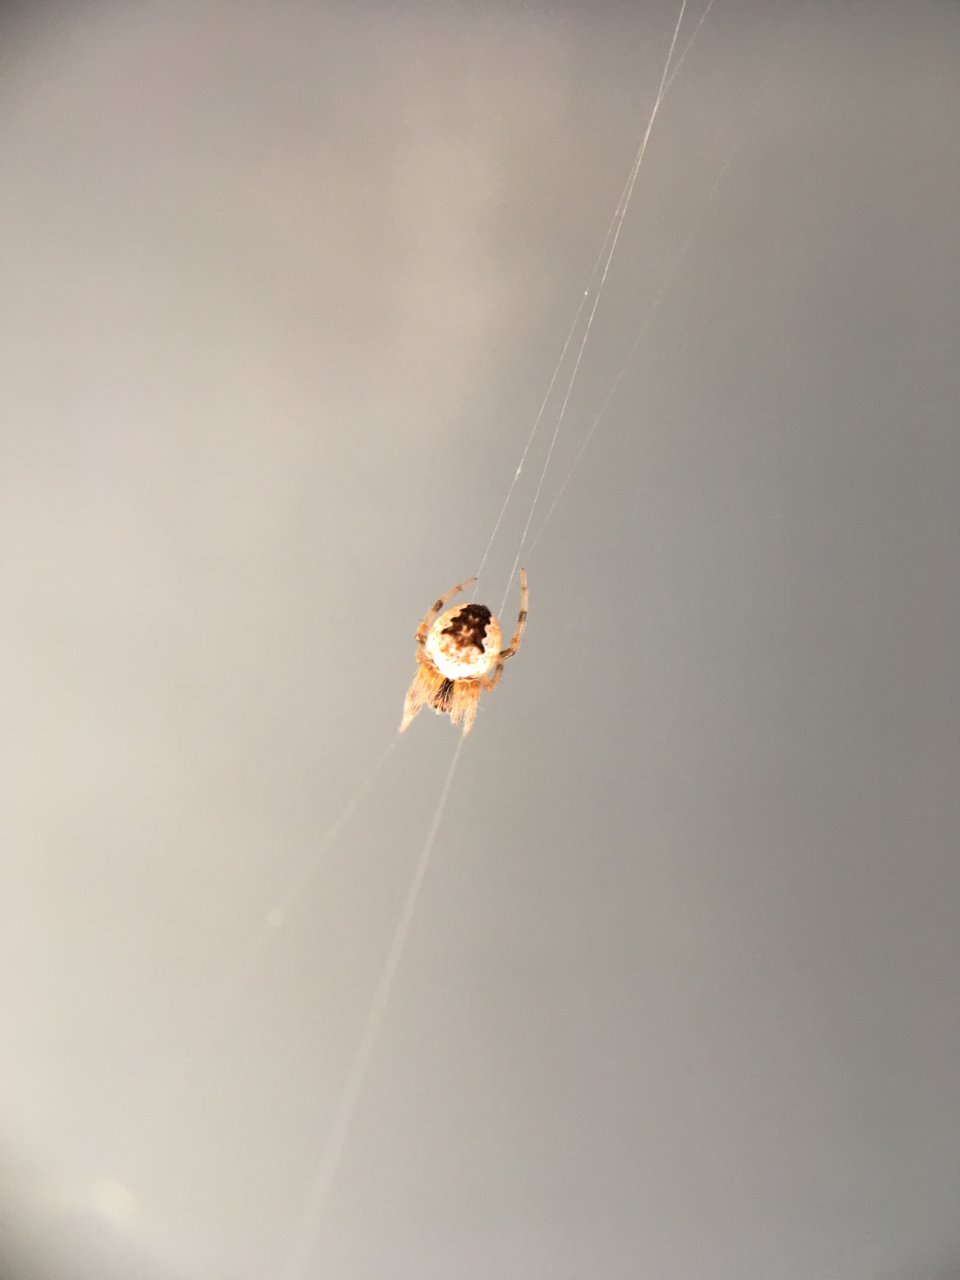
464	642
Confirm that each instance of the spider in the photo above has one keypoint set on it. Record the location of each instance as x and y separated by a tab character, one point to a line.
455	653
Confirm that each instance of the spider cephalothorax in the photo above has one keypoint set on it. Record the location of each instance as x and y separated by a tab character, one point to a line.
456	652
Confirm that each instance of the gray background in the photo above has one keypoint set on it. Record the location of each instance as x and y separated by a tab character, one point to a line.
283	286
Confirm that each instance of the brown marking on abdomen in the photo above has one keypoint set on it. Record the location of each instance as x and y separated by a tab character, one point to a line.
469	627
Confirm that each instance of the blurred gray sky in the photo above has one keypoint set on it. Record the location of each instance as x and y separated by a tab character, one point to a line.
283	286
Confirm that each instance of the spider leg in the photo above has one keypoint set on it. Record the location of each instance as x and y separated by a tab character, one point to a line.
437	606
466	699
514	644
491	681
425	683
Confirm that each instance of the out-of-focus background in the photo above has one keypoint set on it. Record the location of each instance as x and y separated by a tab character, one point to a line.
283	286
